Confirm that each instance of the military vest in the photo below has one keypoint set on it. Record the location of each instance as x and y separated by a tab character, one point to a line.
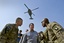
9	33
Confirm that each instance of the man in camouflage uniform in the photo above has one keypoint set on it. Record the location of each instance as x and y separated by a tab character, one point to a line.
54	32
10	33
41	37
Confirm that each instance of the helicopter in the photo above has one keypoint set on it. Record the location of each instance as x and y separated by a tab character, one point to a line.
30	11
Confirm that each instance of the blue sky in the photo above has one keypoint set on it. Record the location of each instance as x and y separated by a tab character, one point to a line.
51	9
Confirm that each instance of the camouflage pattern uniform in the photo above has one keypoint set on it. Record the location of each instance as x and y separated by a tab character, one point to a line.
9	34
54	33
41	37
48	36
59	32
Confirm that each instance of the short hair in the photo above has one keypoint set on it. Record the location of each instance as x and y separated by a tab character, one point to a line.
45	20
19	19
31	24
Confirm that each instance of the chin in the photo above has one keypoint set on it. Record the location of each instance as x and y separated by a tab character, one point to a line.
43	26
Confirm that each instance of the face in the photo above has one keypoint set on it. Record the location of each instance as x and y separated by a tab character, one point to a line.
32	27
43	24
19	22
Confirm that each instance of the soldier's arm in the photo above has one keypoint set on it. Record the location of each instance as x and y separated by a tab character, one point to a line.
38	41
24	39
45	34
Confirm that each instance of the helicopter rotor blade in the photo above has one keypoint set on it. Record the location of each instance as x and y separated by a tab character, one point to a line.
33	14
35	8
26	6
